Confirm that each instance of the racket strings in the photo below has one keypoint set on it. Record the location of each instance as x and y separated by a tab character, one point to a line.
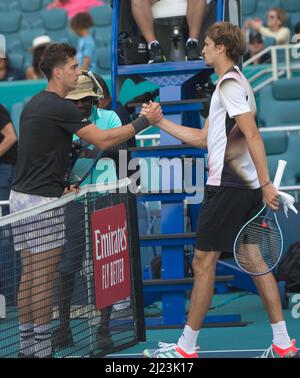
258	246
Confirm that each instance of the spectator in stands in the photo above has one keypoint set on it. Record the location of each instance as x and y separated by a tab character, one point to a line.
8	158
8	155
256	45
86	48
38	46
7	73
72	7
297	28
275	26
94	104
142	13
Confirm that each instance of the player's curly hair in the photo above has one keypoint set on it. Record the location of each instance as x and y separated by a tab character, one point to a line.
229	35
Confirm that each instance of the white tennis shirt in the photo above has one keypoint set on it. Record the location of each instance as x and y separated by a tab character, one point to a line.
229	160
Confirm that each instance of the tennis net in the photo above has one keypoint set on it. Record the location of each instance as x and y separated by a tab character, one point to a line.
70	273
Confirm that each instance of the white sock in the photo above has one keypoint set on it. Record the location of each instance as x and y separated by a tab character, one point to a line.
26	338
192	40
42	335
149	44
188	339
280	335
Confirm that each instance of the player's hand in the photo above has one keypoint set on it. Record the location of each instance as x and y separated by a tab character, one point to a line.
71	189
256	24
152	112
271	196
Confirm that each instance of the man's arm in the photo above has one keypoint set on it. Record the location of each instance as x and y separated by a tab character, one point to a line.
9	138
104	139
247	125
189	135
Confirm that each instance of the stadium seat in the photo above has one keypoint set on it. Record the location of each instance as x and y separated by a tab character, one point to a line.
17	60
16	111
46	2
14	6
55	22
27	36
31	11
104	60
292	7
102	36
287	148
102	15
249	9
30	5
269	41
280	103
275	143
10	24
54	19
59	36
73	38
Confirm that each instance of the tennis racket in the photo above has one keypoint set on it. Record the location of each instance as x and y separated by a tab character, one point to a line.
82	161
258	245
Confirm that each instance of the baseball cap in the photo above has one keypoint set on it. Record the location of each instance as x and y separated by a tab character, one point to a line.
84	88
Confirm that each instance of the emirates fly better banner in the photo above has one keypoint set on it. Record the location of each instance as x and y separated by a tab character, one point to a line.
111	255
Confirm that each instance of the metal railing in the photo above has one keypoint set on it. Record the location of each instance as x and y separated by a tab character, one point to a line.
154	138
277	69
289	129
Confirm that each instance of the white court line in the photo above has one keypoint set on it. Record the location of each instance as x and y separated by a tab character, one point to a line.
202	351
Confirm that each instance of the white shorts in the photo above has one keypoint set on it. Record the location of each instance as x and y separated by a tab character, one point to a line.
37	233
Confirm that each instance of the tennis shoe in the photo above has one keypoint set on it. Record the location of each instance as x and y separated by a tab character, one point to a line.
166	350
156	53
275	352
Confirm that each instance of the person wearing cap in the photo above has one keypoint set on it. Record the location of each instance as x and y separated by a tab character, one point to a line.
91	100
256	45
38	46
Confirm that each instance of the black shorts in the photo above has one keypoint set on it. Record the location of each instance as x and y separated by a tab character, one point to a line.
224	211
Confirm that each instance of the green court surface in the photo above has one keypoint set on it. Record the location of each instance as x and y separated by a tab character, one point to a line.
226	342
215	342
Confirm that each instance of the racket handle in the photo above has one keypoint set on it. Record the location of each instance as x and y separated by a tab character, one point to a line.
279	173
